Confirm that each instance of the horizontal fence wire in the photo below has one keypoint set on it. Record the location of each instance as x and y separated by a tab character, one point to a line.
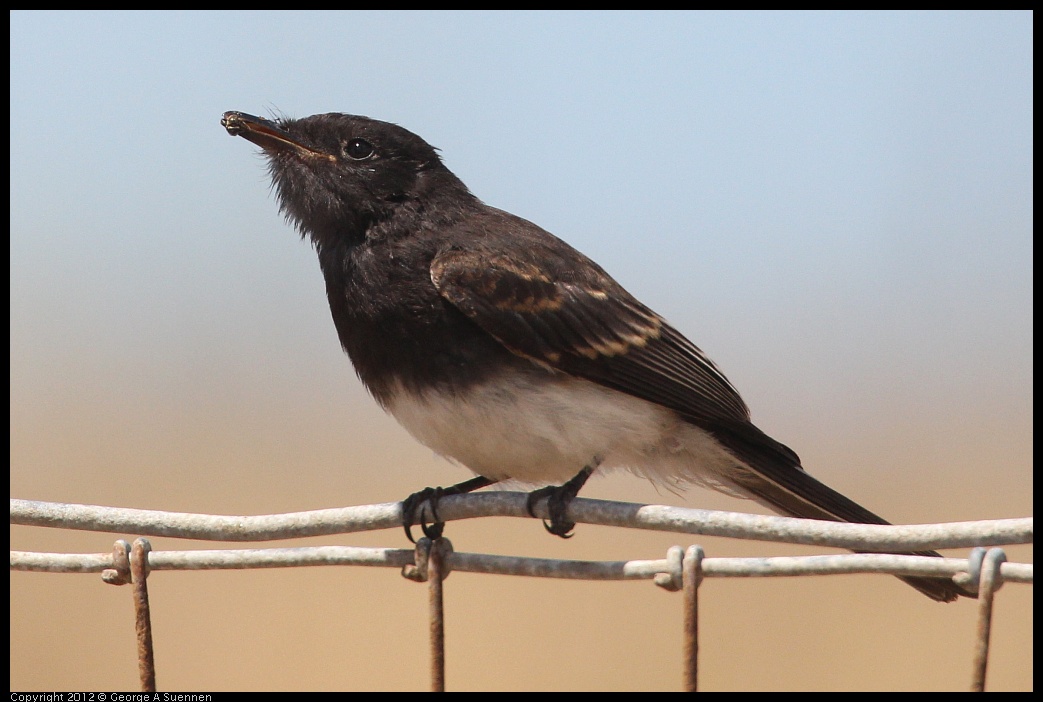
656	517
677	571
681	520
779	566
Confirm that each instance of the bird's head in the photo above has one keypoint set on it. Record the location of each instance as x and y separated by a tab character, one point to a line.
337	175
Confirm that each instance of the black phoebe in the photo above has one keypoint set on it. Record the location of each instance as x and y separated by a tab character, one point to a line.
501	347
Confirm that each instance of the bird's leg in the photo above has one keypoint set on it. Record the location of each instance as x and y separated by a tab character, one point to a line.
558	499
414	502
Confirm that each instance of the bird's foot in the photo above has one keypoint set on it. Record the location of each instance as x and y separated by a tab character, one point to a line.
413	511
558	499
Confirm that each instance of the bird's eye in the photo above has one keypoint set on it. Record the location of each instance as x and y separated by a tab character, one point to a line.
358	149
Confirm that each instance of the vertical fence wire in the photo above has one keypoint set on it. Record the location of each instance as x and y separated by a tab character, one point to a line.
436	574
984	572
692	574
989	582
142	614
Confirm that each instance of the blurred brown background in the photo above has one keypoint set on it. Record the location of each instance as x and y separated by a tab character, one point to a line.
365	629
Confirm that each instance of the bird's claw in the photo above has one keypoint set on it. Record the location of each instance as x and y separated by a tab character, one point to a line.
558	499
413	511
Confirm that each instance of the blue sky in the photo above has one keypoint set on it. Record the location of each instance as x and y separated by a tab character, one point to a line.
866	176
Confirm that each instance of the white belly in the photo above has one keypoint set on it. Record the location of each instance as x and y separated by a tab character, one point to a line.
544	430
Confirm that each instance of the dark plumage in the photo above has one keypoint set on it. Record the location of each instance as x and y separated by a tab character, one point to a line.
502	347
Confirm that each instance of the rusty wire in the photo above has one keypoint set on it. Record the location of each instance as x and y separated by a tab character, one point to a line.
139	569
983	572
692	575
991	579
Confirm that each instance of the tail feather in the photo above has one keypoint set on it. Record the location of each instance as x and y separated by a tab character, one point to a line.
777	480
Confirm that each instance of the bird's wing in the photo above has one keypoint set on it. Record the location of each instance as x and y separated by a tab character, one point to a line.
585	324
576	319
590	327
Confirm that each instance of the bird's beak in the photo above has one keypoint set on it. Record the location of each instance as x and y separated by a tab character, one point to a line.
268	135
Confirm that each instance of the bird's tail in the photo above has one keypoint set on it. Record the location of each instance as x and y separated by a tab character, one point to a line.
777	480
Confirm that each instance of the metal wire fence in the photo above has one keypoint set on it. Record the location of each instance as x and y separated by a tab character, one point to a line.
982	572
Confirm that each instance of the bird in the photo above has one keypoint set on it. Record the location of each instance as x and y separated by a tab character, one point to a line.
506	350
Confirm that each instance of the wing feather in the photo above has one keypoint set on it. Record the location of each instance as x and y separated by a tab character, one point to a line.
588	326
